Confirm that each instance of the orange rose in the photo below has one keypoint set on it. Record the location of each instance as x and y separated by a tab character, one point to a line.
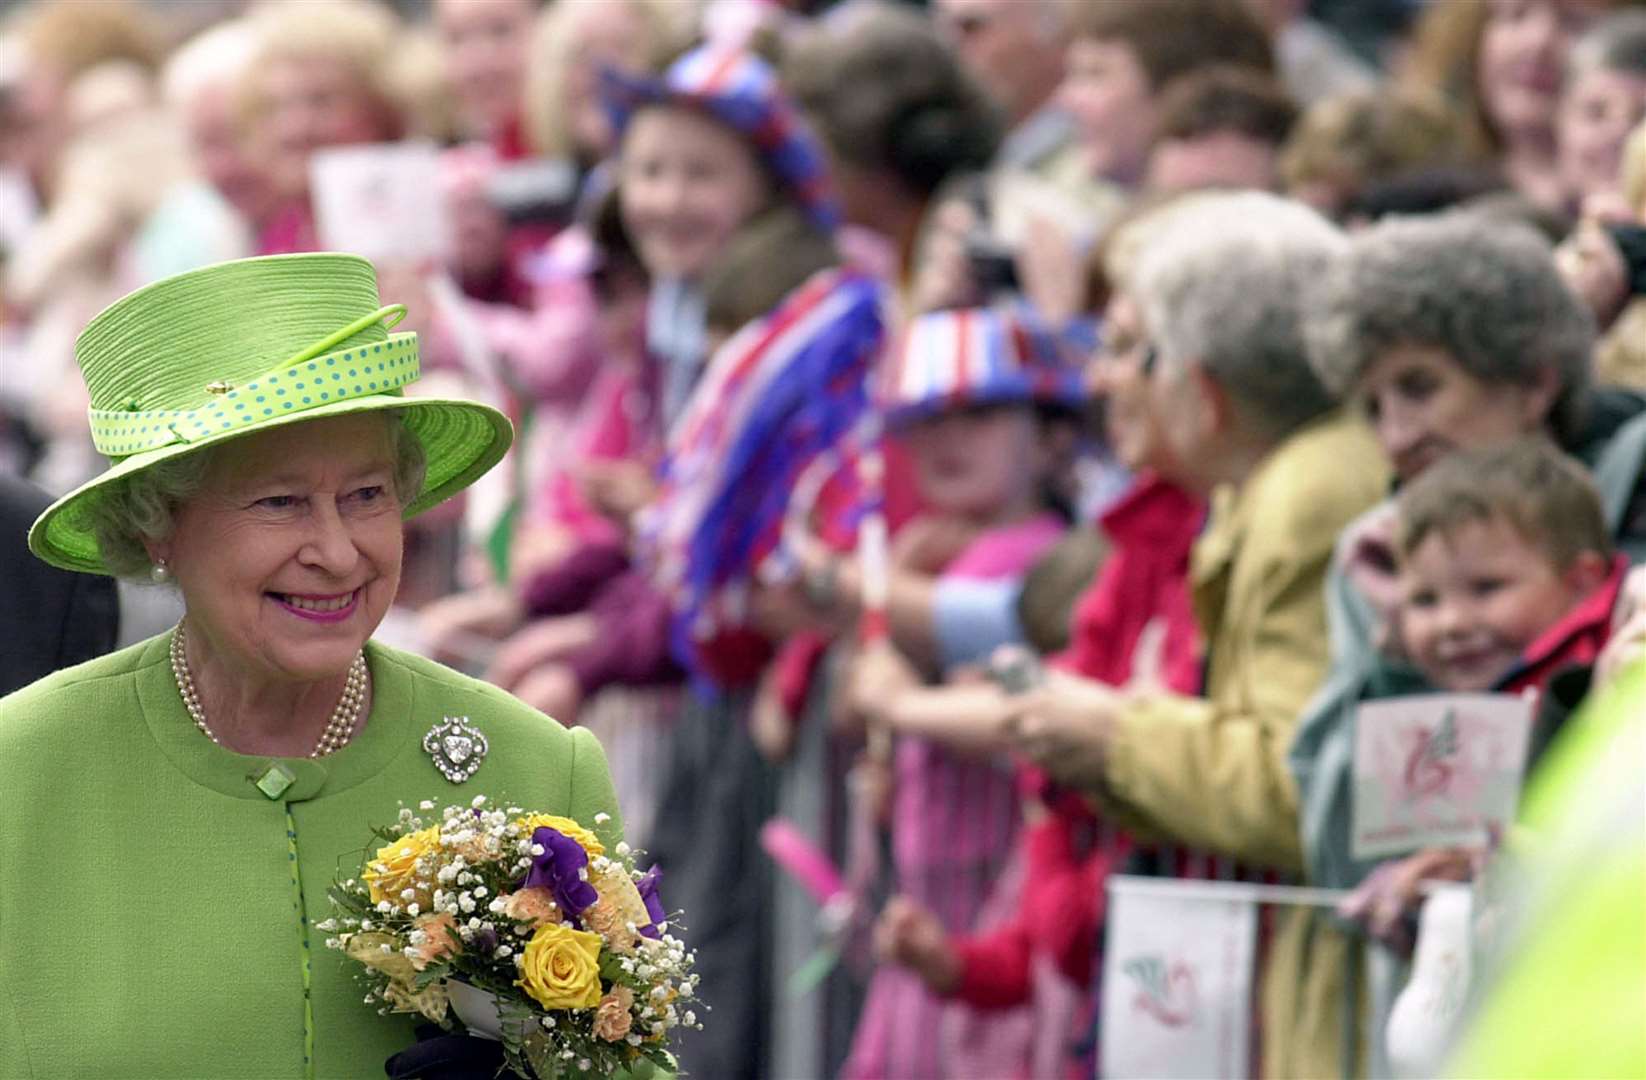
534	906
440	943
612	1016
606	919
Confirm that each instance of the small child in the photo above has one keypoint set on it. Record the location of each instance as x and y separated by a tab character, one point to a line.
717	131
1508	579
1507	569
977	395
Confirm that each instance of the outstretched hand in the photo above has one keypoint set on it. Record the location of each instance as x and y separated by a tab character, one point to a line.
1386	903
909	935
1064	726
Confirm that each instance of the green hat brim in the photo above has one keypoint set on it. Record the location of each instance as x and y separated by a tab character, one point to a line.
461	440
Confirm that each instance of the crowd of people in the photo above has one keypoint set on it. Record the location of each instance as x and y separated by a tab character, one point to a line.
1003	441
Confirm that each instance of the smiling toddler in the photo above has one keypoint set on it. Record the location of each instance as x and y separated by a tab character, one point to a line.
1507	570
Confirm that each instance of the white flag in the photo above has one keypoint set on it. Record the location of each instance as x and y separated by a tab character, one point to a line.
1432	770
382	201
1177	981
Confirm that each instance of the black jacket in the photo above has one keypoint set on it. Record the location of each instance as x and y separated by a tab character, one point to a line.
51	618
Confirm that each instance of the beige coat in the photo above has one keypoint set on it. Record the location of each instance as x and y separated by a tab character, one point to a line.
1211	772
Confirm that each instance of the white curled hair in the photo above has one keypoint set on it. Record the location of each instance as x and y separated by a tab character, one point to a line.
1224	285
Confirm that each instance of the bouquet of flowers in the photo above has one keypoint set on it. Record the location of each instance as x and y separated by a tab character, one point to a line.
524	926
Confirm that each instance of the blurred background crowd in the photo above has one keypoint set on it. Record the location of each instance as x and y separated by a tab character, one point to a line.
1157	301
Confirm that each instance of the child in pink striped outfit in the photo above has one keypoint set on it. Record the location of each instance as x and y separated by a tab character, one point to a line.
977	394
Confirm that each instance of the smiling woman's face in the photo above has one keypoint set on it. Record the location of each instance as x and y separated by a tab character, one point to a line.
289	556
1423	405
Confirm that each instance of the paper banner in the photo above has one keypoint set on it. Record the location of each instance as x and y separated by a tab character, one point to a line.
382	201
1177	980
1435	769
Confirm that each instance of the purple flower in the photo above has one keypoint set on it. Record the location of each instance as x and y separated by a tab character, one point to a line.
654	903
557	870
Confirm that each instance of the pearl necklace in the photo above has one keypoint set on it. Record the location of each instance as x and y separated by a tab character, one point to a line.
339	729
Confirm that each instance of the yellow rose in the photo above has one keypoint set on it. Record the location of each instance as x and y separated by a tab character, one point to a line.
535	906
394	870
563	825
561	968
612	1018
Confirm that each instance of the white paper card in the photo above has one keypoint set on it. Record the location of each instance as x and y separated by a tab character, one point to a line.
1433	770
1177	981
382	201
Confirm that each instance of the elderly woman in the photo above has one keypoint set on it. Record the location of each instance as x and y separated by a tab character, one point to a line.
320	78
1220	290
1452	333
263	458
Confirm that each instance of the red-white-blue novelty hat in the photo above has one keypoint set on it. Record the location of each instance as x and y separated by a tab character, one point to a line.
978	356
741	91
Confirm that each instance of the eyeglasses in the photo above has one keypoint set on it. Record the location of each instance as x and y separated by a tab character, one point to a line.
967	25
1125	347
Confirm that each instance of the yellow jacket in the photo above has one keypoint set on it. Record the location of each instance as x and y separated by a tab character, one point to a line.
1211	772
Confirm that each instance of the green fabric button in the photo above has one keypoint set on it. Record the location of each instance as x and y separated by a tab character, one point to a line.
275	782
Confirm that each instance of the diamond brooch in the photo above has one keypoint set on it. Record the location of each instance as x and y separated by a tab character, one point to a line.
457	748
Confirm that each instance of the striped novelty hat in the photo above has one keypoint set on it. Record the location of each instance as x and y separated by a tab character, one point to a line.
741	91
978	356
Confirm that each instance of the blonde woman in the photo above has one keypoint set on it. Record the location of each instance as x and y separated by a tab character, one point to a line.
321	77
573	40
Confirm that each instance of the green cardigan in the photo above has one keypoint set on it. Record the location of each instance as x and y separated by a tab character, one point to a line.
150	924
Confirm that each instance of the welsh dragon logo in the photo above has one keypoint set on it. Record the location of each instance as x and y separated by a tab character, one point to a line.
1432	760
1165	989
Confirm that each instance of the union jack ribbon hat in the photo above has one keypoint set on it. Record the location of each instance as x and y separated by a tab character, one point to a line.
786	390
741	91
978	356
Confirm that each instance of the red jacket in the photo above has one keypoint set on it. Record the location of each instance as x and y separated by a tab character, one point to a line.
1144	580
1576	640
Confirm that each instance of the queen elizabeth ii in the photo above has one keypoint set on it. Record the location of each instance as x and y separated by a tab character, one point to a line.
175	812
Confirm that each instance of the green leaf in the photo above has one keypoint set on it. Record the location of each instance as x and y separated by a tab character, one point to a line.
432	974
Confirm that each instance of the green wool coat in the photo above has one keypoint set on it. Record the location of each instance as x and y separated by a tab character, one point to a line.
157	909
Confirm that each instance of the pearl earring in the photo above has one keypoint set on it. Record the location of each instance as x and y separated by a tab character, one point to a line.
159	574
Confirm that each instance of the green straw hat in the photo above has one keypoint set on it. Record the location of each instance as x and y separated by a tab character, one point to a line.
240	347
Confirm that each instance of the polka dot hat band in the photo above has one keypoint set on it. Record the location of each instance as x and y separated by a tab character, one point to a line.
296	385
